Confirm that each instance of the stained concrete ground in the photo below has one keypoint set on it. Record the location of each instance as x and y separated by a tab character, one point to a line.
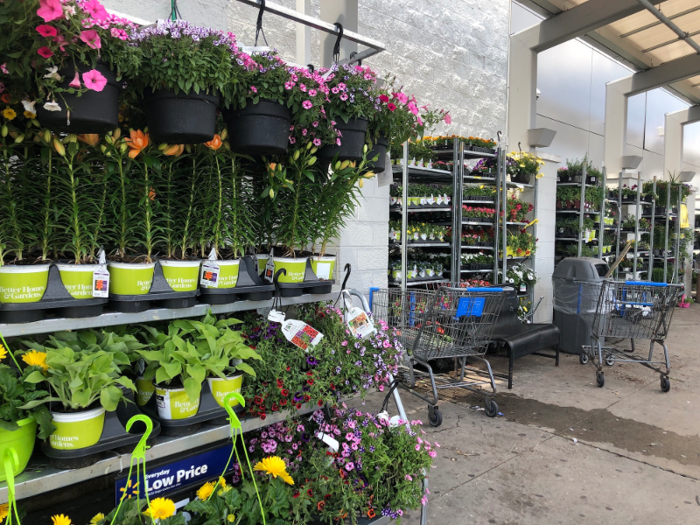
565	451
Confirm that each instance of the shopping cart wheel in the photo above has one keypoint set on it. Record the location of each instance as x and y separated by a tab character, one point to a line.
609	360
583	358
665	384
491	407
434	416
600	379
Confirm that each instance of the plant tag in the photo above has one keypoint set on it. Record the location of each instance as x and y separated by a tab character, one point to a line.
269	270
210	274
301	334
329	440
359	322
523	288
439	199
102	258
276	316
100	282
323	270
423	201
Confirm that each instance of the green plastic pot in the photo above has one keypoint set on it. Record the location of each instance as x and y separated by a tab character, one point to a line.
296	269
77	279
228	273
220	388
130	278
262	261
77	430
173	403
22	440
323	266
182	276
144	391
23	284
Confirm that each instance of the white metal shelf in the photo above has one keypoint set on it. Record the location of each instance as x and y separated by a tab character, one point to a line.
419	210
157	314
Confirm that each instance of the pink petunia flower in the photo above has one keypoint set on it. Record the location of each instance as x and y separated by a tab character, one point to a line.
3	68
344	96
384	98
337	141
45	52
75	83
304	132
317	142
307	104
302	87
49	10
292	140
91	38
118	33
401	97
412	108
95	9
312	92
46	30
391	107
315	123
94	80
253	89
289	85
447	119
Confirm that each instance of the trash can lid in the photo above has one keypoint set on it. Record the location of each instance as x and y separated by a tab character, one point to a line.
581	269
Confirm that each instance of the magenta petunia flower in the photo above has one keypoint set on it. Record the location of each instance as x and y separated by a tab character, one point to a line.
94	80
45	52
401	97
49	10
75	83
253	89
3	68
95	9
384	98
391	107
307	104
91	38
317	142
448	118
46	30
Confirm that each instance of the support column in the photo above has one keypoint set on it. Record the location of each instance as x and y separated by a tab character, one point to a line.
522	89
615	123
673	137
303	57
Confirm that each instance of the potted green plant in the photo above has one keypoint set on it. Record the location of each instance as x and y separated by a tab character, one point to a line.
184	70
85	379
69	58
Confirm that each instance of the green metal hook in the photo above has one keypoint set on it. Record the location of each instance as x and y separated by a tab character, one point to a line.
233	418
10	463
140	448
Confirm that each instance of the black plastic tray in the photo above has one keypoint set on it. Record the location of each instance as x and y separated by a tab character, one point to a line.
160	293
209	412
250	287
55	301
114	437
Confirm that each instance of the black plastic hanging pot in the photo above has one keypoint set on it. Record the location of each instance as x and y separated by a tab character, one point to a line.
259	129
521	178
179	118
380	147
352	140
91	112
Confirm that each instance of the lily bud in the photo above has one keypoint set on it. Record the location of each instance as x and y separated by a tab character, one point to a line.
162	147
311	161
188	148
314	150
345	164
272	193
296	155
362	182
73	138
123	147
58	146
227	145
364	148
47	136
224	134
117	134
337	166
35	123
109	139
369	175
103	148
19	139
4	131
14	134
308	146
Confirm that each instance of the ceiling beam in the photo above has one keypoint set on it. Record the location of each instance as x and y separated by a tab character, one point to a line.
667	73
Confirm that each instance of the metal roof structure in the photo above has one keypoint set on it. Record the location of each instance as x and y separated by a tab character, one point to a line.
655	33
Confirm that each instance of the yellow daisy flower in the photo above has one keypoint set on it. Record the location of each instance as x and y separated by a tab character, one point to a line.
97	518
222	482
9	114
34	358
275	466
159	509
4	511
205	491
60	519
3	352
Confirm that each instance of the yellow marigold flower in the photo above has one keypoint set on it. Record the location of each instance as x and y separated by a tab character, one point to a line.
34	358
231	518
159	509
205	491
275	466
97	518
4	511
9	114
29	115
60	519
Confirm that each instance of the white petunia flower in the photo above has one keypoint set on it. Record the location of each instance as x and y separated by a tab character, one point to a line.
52	106
29	106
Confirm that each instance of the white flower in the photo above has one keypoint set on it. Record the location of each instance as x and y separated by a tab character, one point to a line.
29	106
511	280
52	106
68	11
51	72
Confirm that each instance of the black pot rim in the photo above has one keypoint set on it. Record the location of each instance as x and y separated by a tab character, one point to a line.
264	107
164	94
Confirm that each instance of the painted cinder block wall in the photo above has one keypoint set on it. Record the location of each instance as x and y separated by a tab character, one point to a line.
450	54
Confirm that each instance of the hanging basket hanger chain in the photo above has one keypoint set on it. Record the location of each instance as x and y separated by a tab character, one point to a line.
259	25
336	47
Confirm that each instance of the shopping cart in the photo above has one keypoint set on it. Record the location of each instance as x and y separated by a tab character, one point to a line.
448	322
627	310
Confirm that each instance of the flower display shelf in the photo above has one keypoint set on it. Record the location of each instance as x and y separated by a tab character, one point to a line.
397	209
420	282
160	293
56	301
114	438
249	287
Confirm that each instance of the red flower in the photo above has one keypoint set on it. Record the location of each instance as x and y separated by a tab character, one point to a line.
310	382
46	30
384	98
320	403
309	373
262	417
296	495
298	406
320	505
280	383
45	52
392	107
275	408
328	496
306	399
332	386
283	402
284	392
371	513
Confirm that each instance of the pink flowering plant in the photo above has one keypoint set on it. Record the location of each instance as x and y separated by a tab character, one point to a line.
55	38
264	77
306	94
351	92
182	57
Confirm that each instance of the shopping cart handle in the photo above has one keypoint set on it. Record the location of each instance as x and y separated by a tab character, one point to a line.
365	305
647	283
481	289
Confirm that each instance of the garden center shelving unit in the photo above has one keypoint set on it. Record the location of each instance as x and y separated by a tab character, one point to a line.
667	217
622	236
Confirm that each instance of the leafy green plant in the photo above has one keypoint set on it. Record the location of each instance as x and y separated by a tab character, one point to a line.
16	210
15	392
134	511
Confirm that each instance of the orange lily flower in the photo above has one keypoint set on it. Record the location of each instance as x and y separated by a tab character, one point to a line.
137	141
174	150
91	139
214	143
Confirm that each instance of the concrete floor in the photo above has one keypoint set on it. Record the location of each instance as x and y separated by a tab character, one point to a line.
566	451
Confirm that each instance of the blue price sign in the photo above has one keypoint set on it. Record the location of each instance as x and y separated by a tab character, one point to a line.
470	306
166	478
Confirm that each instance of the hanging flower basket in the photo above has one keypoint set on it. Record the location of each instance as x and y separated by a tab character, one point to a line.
259	129
22	440
94	111
352	140
179	118
380	148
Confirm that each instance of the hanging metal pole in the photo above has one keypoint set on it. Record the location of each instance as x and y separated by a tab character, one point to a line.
582	207
404	219
636	223
651	231
458	182
500	160
531	290
619	221
504	205
601	218
677	263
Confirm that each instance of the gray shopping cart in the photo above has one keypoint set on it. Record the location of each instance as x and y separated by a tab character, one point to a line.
631	310
446	323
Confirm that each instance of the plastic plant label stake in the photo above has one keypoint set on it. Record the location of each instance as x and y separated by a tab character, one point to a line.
276	316
210	271
270	269
359	322
100	282
332	443
323	269
301	334
523	288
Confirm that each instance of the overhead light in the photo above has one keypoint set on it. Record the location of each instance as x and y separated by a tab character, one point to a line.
686	176
631	162
540	137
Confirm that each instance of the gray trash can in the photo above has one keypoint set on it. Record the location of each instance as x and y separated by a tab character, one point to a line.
567	299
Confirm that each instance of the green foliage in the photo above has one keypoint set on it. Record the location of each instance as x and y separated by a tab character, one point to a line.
15	392
132	512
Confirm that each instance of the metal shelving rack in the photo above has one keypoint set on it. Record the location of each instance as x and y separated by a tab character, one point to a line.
668	216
